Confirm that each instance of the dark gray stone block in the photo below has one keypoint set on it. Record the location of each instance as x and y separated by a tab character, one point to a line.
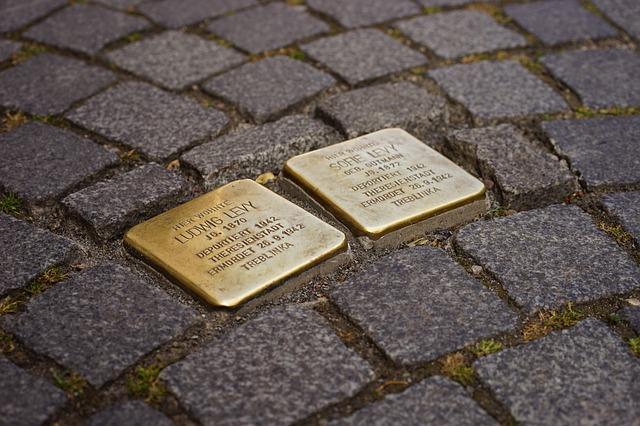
418	305
49	84
178	13
526	176
7	49
596	75
85	28
625	13
625	206
584	375
603	151
251	151
267	88
130	413
16	14
39	161
28	251
26	400
175	59
267	27
632	314
434	401
401	104
363	55
157	123
111	206
100	321
492	89
546	258
559	21
360	13
459	33
277	368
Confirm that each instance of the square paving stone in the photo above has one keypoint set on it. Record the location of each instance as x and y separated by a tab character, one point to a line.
25	399
418	305
100	321
596	75
632	314
525	175
401	104
434	401
155	122
85	28
491	89
549	257
584	375
625	13
178	13
248	152
559	21
130	413
49	84
625	206
460	33
363	55
603	151
360	13
175	59
112	205
267	27
267	88
39	161
17	13
275	369
28	251
7	49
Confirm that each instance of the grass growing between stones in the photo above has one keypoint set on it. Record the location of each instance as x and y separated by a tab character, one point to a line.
430	10
70	382
28	50
144	383
11	204
486	347
549	321
635	345
46	280
586	112
617	232
12	121
456	367
7	344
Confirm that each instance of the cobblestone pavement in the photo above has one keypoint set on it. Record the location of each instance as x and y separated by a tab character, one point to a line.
115	110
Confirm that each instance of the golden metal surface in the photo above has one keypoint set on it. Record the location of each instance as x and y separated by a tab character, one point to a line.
235	241
383	181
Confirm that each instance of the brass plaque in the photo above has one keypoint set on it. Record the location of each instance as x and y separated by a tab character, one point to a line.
235	241
383	181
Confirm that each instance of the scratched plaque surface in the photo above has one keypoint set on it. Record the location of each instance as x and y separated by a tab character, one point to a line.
235	241
383	181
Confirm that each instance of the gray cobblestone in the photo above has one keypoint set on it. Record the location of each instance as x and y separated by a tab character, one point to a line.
277	368
418	305
267	27
434	401
625	13
112	205
525	175
178	13
559	21
492	89
85	28
175	59
625	206
584	375
249	152
602	150
632	314
267	88
7	49
100	321
595	75
402	104
28	251
26	400
555	255
363	55
16	14
49	84
131	413
155	122
359	13
458	33
39	161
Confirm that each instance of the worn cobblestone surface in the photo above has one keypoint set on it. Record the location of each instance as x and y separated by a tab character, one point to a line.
114	110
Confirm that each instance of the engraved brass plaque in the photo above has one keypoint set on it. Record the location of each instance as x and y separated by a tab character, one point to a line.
235	241
383	181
